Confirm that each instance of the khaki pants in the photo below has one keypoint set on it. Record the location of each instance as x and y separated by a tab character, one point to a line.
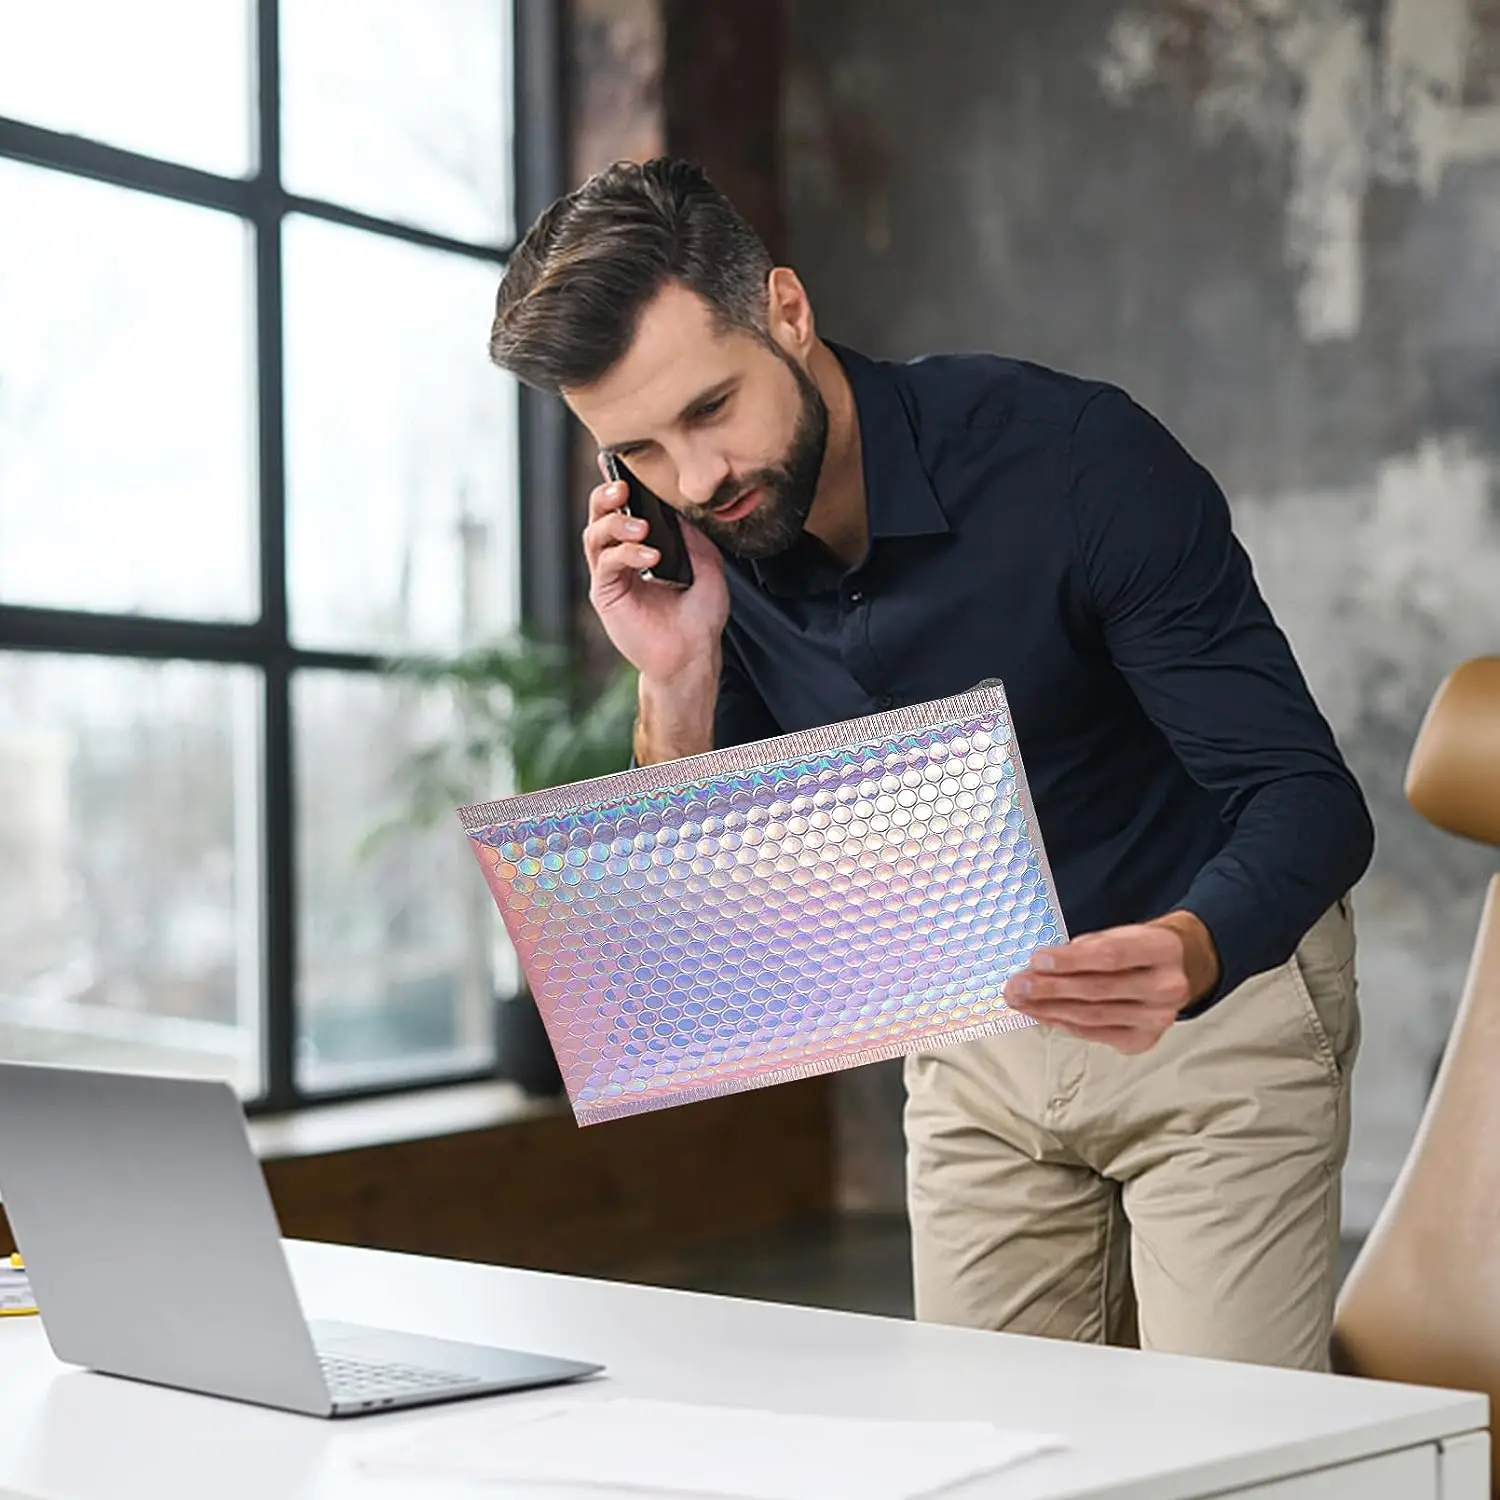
1186	1199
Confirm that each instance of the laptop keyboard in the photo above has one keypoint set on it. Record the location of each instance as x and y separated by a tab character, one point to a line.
358	1381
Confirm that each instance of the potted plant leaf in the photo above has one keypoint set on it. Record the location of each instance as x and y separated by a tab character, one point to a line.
525	718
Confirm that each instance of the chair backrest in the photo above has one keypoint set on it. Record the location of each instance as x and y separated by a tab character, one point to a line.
1453	776
1422	1301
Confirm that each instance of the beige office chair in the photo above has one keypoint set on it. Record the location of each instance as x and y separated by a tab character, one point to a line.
1422	1301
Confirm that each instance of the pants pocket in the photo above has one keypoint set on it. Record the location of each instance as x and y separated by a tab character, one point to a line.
1322	971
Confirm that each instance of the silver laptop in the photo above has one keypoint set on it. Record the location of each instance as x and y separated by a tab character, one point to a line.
154	1253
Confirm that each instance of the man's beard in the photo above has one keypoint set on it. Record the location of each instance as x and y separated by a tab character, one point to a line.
788	488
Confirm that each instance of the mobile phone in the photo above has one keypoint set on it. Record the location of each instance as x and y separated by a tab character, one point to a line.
663	528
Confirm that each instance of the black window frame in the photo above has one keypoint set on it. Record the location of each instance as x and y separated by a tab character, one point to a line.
262	202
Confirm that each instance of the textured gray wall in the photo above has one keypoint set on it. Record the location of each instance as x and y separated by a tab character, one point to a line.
1277	223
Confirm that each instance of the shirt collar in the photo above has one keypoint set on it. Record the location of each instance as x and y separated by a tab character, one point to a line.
899	498
898	494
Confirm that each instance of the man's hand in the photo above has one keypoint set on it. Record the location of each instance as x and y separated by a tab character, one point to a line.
669	635
660	630
1124	986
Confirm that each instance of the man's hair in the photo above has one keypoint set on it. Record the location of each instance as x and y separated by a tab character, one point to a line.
573	292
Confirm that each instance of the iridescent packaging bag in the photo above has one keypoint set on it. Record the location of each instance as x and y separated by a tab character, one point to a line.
761	913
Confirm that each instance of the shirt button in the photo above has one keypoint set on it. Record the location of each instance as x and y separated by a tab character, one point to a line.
857	597
885	700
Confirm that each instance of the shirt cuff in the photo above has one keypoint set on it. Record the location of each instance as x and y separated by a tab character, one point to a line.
1222	912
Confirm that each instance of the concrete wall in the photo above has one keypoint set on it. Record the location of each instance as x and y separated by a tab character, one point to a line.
649	77
1277	222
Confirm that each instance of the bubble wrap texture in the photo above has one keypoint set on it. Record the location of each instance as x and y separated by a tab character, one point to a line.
807	903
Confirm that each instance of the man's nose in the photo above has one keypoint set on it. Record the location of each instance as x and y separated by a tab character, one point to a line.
699	475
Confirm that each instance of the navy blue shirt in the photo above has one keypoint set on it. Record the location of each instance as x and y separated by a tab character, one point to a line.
1046	530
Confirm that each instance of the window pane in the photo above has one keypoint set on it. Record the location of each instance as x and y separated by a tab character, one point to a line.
401	444
395	926
401	108
170	78
126	472
129	837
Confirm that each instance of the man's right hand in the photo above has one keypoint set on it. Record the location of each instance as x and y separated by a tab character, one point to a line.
669	635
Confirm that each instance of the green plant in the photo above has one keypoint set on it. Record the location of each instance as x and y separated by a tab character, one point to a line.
524	719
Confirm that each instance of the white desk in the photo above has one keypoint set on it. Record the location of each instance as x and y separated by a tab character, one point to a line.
1140	1425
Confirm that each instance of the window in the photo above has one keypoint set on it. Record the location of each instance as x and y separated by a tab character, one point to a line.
250	446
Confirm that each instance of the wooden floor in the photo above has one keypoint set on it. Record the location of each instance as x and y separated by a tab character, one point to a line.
856	1264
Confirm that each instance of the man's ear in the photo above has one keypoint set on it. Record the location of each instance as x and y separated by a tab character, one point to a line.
789	313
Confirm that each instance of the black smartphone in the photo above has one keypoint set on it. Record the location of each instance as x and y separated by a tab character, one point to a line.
663	529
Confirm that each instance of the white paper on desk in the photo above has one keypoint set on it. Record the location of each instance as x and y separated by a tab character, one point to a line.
15	1293
669	1448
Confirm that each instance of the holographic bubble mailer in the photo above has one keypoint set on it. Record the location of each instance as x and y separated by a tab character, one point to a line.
769	911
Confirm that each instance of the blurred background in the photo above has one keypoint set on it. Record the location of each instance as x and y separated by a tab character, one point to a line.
282	556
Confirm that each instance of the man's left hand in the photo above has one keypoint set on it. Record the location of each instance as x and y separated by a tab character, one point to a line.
1124	986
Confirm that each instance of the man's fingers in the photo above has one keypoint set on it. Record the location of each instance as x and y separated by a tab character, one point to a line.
604	498
1124	984
612	574
1138	986
1109	951
1089	1015
610	530
1120	987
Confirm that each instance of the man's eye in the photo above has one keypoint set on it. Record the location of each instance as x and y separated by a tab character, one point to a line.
712	408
